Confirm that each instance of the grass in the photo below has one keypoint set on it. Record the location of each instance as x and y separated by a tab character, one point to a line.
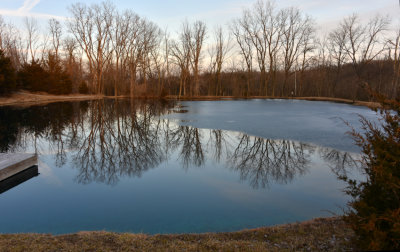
324	234
24	98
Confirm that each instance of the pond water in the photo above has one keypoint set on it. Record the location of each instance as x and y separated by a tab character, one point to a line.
173	167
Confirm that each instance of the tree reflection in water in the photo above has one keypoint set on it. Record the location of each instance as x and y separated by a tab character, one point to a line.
340	162
261	160
109	139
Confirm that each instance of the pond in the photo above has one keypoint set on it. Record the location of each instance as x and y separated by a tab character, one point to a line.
174	167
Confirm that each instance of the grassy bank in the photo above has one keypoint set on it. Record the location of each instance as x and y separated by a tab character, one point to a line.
324	234
24	98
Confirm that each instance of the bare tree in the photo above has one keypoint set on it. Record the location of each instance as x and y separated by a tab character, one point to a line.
296	33
218	53
181	54
308	45
266	32
133	49
395	46
56	33
198	35
91	27
120	40
363	40
363	44
11	43
245	44
151	38
337	41
32	43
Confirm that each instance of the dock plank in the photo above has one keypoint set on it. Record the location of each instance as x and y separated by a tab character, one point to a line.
13	163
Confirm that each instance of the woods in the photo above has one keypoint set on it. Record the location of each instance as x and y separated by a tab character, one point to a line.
266	51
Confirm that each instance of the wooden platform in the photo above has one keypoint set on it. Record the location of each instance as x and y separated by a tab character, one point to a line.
18	179
14	163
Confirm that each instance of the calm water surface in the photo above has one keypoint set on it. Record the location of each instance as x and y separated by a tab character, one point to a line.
165	167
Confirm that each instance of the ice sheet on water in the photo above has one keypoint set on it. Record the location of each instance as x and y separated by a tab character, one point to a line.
321	123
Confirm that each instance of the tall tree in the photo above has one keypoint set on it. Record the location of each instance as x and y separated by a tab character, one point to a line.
198	35
91	27
56	34
296	30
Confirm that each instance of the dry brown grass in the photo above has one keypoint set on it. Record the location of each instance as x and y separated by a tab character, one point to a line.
24	98
328	234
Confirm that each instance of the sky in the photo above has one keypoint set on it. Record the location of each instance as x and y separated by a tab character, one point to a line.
170	13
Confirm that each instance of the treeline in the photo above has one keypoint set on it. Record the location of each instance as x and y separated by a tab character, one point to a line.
265	52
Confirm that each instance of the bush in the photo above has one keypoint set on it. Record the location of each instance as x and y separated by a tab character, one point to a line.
49	77
59	81
374	212
33	77
83	88
7	75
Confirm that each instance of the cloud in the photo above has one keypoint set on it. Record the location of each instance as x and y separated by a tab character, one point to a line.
28	5
25	11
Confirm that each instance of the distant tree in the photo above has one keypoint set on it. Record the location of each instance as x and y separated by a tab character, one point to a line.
32	40
394	44
374	211
55	30
218	54
7	75
198	34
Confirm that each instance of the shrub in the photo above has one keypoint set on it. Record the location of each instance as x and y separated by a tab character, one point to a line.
59	81
374	212
48	77
83	88
33	77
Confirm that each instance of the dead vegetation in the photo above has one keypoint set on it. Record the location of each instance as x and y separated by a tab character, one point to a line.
24	98
324	234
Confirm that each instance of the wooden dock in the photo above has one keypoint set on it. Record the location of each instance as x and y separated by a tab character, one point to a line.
18	179
14	163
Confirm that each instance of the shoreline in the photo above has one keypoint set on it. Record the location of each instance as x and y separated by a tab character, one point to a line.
321	234
327	99
24	98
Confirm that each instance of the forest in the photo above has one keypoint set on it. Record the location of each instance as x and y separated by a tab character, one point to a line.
264	52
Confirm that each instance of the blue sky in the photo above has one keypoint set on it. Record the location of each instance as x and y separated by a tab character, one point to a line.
170	13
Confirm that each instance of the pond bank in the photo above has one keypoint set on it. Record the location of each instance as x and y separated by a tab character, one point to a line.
322	234
24	98
329	99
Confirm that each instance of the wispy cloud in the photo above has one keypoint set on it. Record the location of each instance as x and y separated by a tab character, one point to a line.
25	11
28	5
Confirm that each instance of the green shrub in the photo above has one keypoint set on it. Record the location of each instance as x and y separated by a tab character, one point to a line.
374	212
